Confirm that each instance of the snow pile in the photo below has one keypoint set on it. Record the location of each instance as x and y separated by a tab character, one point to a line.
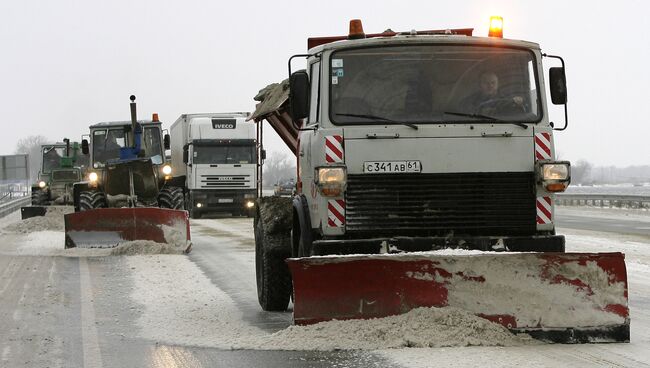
52	221
182	307
146	247
176	235
421	327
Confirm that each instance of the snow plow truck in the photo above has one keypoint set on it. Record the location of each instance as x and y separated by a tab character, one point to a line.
426	178
129	192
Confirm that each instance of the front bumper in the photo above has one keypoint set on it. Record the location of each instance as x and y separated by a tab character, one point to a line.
535	243
221	200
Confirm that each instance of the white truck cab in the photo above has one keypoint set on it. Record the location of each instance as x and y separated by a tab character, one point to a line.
217	155
421	140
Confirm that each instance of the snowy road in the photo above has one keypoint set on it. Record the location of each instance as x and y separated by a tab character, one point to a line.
87	310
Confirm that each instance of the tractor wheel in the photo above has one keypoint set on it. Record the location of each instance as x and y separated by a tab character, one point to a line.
272	273
39	198
92	200
171	197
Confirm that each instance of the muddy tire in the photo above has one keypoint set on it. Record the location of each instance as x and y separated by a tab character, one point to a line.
172	198
272	273
91	200
39	198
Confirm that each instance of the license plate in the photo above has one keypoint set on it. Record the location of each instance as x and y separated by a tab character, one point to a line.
382	167
225	200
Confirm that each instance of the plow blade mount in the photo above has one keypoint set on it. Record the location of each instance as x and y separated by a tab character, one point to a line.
559	297
32	211
107	227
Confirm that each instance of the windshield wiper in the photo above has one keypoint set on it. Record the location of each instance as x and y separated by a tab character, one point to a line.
485	117
373	117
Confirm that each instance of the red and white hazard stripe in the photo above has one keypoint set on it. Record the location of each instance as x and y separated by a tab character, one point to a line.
336	212
544	210
334	149
543	146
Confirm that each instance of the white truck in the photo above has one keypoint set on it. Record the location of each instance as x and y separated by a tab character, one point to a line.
216	154
412	142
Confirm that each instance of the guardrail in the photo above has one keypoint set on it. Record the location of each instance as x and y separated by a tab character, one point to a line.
8	207
603	200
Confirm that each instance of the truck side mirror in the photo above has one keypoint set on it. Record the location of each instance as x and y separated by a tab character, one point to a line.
84	147
166	141
186	154
299	95
557	80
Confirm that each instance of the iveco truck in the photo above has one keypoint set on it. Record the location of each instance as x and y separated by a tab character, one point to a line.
217	155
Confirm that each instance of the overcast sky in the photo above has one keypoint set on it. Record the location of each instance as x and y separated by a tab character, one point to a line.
67	64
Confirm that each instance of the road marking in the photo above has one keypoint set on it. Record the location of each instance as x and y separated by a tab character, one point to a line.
89	338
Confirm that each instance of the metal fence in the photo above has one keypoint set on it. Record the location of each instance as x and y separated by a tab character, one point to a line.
7	207
603	200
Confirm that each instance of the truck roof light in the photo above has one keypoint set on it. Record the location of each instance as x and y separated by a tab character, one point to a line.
154	117
496	27
356	30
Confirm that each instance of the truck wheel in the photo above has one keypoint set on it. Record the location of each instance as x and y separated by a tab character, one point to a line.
272	274
91	200
39	198
171	197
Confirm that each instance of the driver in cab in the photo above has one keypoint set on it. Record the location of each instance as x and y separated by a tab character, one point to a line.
488	100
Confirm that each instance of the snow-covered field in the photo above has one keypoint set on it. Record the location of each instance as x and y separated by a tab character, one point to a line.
613	189
183	306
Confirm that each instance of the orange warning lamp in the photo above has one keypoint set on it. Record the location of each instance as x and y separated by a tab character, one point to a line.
356	30
154	118
496	27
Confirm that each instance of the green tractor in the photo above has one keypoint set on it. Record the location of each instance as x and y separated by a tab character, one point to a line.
61	167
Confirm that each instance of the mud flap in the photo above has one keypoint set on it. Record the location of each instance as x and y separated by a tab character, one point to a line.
559	297
107	227
32	211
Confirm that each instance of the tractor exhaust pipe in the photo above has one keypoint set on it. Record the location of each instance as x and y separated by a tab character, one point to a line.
134	122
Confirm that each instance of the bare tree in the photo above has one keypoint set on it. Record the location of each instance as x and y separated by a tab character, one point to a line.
31	145
278	167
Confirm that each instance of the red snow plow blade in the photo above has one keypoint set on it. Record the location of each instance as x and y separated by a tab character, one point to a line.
107	227
559	297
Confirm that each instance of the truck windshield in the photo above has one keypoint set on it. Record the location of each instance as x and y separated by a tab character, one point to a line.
52	158
224	154
106	145
433	83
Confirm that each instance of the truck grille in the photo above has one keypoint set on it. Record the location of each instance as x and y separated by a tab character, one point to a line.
225	181
441	204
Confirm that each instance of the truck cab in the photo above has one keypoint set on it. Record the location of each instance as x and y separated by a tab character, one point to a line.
424	140
217	155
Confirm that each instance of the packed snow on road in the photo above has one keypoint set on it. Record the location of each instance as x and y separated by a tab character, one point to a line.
177	303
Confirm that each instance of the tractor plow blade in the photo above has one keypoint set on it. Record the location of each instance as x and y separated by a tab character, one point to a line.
32	211
559	297
107	227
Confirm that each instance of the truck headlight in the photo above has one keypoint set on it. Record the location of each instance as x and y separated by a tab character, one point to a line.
331	181
167	170
250	204
555	176
42	184
93	177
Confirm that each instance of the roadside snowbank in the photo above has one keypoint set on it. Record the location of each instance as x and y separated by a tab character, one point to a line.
182	306
52	221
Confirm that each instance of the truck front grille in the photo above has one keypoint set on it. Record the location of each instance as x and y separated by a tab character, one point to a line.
440	204
225	181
